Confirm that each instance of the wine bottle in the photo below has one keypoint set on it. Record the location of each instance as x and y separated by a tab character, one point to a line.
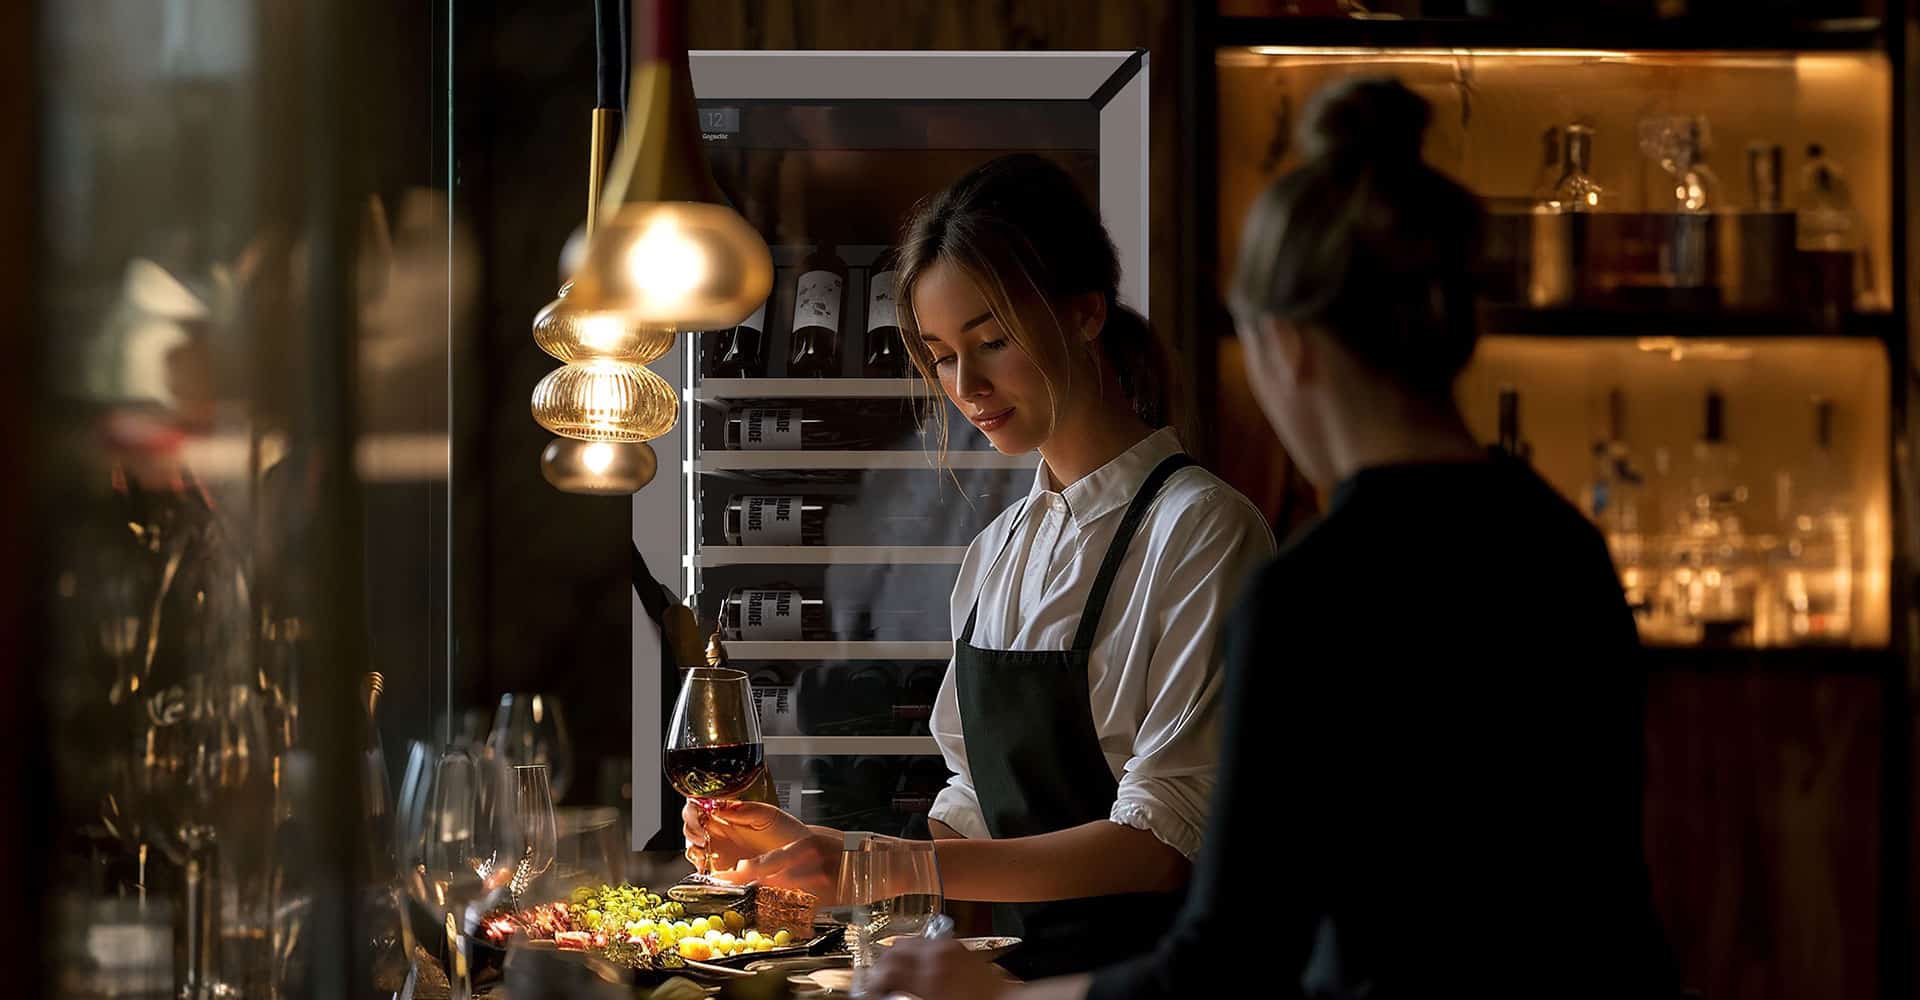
775	614
790	428
775	520
804	520
886	352
742	352
819	311
914	698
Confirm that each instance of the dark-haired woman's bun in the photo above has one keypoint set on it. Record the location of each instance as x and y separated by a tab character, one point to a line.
1374	119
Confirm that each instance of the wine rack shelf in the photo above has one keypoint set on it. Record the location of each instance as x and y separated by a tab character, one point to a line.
848	746
775	461
828	555
820	650
810	388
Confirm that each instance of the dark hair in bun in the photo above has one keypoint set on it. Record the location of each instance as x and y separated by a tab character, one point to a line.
1366	118
1366	241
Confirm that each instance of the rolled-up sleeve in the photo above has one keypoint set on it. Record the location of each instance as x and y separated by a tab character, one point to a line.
1167	785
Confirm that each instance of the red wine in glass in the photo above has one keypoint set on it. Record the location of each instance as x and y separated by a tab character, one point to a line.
713	748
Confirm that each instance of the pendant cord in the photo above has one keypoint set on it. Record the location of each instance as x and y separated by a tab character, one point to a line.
609	53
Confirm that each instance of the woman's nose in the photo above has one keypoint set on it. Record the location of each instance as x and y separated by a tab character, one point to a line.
968	380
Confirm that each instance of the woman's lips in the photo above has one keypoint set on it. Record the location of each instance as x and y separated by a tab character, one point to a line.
992	421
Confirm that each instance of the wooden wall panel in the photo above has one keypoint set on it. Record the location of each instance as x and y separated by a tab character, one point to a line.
1763	830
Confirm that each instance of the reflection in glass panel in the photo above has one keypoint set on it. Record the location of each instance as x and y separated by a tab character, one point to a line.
218	237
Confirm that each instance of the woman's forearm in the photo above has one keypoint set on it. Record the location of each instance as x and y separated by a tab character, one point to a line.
1095	859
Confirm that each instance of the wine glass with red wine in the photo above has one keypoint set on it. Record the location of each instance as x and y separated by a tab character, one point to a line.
713	741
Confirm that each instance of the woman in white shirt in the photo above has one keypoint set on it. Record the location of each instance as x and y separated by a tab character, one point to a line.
1079	715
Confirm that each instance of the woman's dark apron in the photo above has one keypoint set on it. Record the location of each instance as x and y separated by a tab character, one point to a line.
1037	767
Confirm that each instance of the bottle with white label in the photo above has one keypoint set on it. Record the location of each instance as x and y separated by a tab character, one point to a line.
775	614
819	311
775	520
742	351
886	352
789	428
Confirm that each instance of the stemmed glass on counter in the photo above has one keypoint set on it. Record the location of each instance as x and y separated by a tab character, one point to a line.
530	728
533	801
462	845
714	750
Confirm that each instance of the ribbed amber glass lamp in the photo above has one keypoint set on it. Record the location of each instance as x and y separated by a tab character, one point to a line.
605	401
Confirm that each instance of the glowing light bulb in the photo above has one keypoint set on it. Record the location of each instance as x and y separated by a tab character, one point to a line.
678	265
605	401
569	331
598	468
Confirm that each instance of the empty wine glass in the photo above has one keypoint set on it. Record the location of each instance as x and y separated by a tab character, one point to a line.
906	890
461	849
714	750
533	801
201	773
529	728
592	847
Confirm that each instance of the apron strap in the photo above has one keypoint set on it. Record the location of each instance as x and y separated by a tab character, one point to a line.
1117	551
966	634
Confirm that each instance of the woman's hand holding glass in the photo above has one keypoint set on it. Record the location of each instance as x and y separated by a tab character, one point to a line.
734	831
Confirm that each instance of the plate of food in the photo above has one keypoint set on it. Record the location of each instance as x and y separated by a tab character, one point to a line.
642	931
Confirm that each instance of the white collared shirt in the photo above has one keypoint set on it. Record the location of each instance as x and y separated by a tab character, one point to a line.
1154	678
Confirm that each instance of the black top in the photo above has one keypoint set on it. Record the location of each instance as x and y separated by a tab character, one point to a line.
1430	781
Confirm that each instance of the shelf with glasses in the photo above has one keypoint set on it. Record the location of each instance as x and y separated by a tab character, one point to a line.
773	461
803	649
829	555
1565	38
1684	324
810	388
850	746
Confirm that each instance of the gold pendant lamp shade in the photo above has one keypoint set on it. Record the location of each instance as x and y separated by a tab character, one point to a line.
597	468
665	255
667	250
605	401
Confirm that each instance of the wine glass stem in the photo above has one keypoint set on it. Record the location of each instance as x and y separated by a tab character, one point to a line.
201	978
706	853
459	967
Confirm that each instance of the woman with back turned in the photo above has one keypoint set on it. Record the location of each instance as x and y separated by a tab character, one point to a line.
1431	776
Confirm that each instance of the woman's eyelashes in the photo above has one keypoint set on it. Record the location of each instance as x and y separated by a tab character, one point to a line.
998	344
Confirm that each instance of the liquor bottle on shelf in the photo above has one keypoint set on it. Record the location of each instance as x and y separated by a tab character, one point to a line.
1815	575
1714	572
819	315
886	353
1827	235
1686	258
1575	190
1613	501
1551	164
1763	177
1760	273
742	351
1510	442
